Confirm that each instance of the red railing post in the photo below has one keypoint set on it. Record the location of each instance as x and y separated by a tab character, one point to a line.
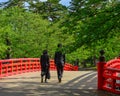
21	68
0	69
28	65
100	68
11	66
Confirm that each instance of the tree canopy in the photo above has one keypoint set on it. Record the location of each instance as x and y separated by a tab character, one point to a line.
84	28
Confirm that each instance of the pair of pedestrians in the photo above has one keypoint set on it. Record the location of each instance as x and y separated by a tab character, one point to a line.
59	60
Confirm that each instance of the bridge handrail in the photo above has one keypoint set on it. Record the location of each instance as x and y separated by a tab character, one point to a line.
21	65
112	69
109	76
111	62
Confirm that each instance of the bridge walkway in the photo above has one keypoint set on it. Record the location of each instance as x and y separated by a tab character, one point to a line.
74	83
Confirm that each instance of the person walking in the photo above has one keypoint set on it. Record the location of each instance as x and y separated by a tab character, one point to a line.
59	60
44	61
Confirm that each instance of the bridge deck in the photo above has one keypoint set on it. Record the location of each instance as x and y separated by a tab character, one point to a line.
74	83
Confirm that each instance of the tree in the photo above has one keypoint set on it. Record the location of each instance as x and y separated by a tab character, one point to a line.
13	3
24	31
51	9
93	20
28	33
93	23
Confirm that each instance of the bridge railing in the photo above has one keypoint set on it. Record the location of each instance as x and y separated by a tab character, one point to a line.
109	76
17	66
111	80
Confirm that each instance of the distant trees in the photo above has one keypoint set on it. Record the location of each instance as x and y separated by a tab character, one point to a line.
26	34
13	3
85	27
21	31
50	9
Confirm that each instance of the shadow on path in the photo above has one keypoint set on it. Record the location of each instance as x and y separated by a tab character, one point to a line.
53	92
83	84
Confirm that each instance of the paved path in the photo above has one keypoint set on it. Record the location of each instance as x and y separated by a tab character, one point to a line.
74	83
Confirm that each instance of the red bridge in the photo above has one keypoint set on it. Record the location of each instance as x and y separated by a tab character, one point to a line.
82	81
16	66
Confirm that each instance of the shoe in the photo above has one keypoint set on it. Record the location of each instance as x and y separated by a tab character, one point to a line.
46	81
59	80
41	80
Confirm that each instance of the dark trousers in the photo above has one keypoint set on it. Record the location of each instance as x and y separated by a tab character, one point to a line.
59	70
45	72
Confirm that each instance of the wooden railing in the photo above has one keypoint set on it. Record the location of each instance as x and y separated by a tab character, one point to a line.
17	66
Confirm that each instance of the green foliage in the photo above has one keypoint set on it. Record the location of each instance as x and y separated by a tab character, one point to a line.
94	24
50	9
85	28
28	34
13	3
25	31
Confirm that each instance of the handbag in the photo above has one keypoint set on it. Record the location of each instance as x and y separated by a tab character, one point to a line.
48	75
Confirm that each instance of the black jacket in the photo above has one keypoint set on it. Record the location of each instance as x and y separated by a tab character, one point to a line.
59	58
44	60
